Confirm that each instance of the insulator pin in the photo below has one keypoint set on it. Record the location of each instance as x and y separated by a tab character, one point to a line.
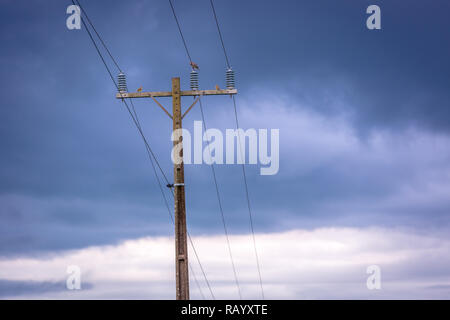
122	82
230	79
194	80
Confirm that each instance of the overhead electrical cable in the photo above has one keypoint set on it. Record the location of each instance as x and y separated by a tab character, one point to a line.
220	34
181	32
240	146
212	167
138	126
220	206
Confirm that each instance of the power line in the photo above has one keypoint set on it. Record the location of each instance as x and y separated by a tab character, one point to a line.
145	141
179	29
220	205
100	38
220	34
248	203
124	101
212	166
138	126
243	166
196	281
201	267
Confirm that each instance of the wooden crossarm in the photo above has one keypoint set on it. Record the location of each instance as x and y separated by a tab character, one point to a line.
126	95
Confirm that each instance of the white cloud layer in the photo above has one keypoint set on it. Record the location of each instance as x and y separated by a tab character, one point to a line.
298	264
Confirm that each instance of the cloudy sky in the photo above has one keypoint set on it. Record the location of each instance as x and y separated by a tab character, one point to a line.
364	174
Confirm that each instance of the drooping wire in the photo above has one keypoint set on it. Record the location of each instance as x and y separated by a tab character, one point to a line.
220	33
152	154
220	205
100	38
149	150
201	267
196	282
128	108
181	32
248	202
213	170
240	146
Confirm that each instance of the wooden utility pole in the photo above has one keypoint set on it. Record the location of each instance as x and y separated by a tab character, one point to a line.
181	252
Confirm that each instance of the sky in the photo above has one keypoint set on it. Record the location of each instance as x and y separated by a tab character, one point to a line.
364	175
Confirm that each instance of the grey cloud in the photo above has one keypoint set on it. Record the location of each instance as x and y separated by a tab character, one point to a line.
73	171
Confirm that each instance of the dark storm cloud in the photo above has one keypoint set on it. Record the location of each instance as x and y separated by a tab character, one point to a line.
73	171
393	77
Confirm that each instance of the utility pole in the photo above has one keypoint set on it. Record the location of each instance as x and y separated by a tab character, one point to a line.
181	252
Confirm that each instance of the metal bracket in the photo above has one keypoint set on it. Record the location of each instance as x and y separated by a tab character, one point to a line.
170	185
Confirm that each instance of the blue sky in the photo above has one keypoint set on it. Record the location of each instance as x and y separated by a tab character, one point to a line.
363	119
